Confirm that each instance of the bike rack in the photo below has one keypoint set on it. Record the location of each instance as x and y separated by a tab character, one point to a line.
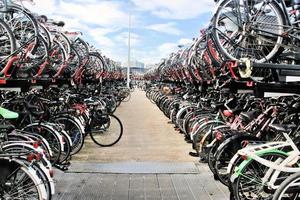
24	85
260	89
271	66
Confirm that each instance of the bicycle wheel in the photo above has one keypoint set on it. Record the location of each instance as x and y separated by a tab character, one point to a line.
66	153
289	188
7	40
198	135
51	136
106	130
41	173
24	25
234	141
211	158
249	184
74	131
111	103
249	29
18	182
127	98
31	66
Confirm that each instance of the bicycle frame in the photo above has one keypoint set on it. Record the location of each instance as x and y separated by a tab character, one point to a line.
275	168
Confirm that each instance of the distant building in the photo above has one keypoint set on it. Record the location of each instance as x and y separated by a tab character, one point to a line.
148	66
119	63
135	63
138	64
136	67
137	70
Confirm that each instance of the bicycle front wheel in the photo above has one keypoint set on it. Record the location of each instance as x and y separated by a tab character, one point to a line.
106	130
249	29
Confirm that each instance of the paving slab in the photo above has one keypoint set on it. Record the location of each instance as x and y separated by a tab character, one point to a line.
135	167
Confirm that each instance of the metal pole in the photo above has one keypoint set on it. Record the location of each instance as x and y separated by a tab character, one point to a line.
129	50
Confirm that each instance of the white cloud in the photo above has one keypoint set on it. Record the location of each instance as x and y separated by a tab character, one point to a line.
167	48
162	51
108	16
44	7
122	38
100	20
85	1
99	35
168	28
103	13
146	56
102	31
185	41
104	41
176	9
71	24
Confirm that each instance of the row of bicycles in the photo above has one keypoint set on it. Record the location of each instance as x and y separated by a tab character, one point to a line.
44	129
245	39
250	144
233	94
55	89
35	47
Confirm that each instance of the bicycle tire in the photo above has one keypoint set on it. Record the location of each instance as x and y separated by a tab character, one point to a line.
72	127
97	141
238	193
127	98
11	37
219	42
14	168
49	135
285	185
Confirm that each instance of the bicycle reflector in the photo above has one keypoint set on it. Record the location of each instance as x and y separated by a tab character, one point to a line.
51	173
30	157
36	144
219	135
34	156
244	157
38	156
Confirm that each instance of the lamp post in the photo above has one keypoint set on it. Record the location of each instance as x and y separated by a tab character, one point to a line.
129	46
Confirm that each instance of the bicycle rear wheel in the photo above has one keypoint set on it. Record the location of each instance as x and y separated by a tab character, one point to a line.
250	184
7	40
51	136
106	130
18	182
289	188
73	129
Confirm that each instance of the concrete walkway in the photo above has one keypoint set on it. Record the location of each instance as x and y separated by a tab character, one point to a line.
151	161
147	136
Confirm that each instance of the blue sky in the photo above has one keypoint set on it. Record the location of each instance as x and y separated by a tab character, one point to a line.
158	26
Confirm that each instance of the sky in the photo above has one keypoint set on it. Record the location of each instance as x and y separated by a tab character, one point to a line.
158	26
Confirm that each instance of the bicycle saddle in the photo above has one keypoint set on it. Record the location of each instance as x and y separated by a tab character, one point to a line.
7	114
249	116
